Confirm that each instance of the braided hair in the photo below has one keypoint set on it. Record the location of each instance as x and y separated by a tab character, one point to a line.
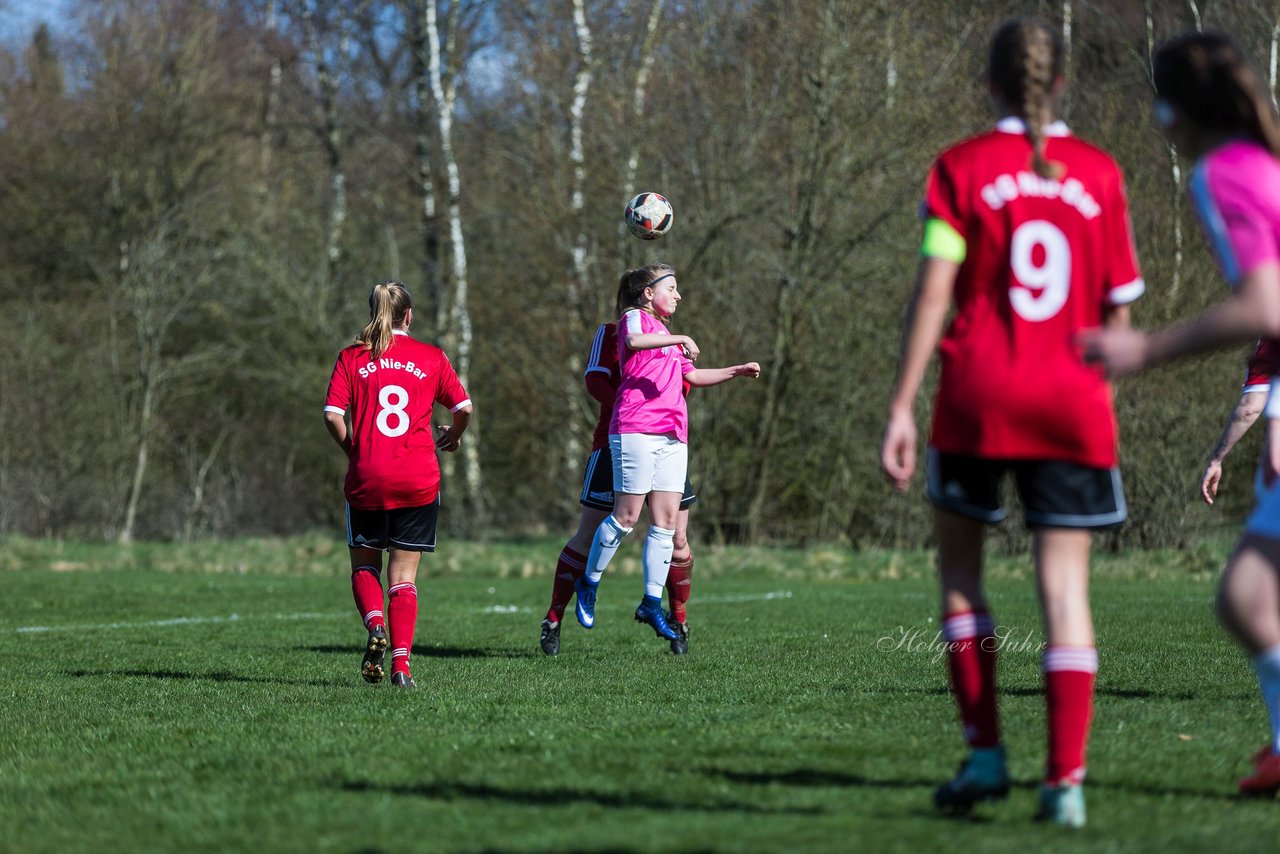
1025	61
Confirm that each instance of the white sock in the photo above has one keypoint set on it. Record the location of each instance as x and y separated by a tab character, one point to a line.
658	546
1267	665
603	547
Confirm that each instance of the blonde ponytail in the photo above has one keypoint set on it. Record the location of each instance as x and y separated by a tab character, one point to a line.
389	306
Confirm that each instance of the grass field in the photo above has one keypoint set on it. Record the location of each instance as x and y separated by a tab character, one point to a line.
207	699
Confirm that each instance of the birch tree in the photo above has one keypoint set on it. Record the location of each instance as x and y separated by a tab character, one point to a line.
442	65
639	100
423	122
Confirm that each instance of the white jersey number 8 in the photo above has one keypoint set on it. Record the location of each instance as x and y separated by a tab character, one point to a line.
1040	290
392	401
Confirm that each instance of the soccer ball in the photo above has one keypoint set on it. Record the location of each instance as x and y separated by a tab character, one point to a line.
649	216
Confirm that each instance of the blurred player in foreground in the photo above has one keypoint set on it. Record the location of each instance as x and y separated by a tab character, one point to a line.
1213	106
1027	234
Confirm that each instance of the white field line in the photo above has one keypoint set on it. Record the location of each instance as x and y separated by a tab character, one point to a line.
306	615
696	600
176	621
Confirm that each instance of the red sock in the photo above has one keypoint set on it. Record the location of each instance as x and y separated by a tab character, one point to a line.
366	586
569	569
971	659
1069	673
679	585
402	608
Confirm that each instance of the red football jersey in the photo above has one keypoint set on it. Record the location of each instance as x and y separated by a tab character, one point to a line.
1043	259
1263	365
393	458
603	362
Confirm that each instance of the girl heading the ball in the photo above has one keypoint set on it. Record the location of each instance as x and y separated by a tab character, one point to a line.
648	436
1215	108
1027	233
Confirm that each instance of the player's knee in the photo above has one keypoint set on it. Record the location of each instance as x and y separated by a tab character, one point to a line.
680	542
613	532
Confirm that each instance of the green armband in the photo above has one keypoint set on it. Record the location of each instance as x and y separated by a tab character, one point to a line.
942	241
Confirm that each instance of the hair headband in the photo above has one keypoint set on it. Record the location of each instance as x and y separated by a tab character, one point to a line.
660	278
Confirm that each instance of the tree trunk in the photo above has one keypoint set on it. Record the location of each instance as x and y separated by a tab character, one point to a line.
1175	168
199	477
582	291
331	139
639	95
428	225
1066	54
270	111
458	333
145	417
799	241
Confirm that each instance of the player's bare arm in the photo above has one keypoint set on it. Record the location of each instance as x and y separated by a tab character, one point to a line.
922	329
704	377
1253	310
336	424
655	340
449	438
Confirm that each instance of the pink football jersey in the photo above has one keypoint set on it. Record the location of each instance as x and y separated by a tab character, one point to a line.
1235	189
650	396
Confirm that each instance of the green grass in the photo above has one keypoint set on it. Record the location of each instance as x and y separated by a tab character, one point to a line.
148	718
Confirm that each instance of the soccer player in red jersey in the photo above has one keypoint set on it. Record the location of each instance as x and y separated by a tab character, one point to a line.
378	410
1027	234
1253	396
602	378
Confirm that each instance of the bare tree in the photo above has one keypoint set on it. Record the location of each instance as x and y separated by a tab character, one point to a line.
155	293
270	106
442	66
639	99
326	47
1175	167
423	128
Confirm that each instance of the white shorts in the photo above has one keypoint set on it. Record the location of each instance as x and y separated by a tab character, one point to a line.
644	463
1265	518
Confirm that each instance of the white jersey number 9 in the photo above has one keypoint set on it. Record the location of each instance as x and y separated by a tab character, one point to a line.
1040	290
392	401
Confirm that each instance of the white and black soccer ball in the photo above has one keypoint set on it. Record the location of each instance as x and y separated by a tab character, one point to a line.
649	216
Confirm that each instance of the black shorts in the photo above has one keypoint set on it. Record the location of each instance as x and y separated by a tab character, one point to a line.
597	483
410	529
1054	494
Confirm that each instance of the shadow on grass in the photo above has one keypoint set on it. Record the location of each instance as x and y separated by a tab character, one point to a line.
814	777
565	797
216	676
1020	691
1221	794
424	651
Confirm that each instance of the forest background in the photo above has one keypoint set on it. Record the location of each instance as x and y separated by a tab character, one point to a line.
197	195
